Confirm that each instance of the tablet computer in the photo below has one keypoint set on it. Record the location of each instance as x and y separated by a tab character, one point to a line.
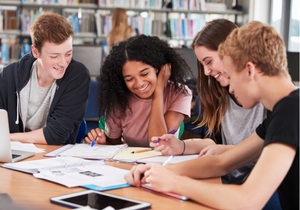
98	200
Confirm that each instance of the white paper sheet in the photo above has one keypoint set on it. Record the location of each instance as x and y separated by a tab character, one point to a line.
28	147
101	175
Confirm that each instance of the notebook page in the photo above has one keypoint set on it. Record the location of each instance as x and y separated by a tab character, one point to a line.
127	155
95	152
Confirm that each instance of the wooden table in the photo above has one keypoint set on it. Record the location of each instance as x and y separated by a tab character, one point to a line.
33	194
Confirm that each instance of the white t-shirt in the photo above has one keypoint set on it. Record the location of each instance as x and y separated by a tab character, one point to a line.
35	102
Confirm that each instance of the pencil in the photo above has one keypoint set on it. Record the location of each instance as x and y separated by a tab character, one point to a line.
142	150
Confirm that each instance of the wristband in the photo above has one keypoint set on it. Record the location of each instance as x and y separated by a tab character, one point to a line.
183	147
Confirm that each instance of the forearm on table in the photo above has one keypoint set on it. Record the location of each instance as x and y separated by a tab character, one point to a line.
194	146
36	136
202	167
273	165
219	165
228	196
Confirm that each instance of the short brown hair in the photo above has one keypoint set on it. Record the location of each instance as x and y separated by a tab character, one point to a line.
259	44
50	27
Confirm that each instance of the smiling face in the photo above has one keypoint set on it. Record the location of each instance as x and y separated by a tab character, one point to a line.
53	60
212	64
140	78
242	84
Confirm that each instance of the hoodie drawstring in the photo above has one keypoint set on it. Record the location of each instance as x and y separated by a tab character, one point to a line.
17	120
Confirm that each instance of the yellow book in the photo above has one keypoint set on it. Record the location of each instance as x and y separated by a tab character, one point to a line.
132	154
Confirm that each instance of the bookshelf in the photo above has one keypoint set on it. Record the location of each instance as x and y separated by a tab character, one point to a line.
179	24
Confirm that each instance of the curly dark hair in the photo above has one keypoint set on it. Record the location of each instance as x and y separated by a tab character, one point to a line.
113	92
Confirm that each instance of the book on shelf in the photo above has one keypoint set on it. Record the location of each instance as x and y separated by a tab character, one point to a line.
59	2
10	20
82	20
216	5
136	4
14	48
4	51
185	28
180	4
9	49
194	5
144	25
27	17
104	24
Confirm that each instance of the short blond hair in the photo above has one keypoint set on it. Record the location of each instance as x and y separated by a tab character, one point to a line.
259	44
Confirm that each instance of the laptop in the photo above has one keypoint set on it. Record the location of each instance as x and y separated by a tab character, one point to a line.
7	155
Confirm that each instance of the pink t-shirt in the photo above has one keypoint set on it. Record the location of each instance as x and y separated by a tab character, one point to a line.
134	127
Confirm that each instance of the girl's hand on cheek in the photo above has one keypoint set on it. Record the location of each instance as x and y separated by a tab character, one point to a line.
163	76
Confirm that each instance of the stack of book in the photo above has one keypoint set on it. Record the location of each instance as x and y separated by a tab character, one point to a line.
59	2
185	28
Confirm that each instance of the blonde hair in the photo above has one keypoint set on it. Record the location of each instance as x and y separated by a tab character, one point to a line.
120	29
259	44
211	94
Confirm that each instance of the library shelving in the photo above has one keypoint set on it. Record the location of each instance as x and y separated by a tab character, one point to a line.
91	19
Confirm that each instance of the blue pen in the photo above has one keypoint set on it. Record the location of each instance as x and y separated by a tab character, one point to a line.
171	132
93	143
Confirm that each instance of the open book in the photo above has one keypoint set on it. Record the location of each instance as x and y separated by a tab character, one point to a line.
113	152
72	172
35	166
86	151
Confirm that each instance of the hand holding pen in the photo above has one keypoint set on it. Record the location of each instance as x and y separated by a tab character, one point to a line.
167	144
95	136
161	178
139	173
171	132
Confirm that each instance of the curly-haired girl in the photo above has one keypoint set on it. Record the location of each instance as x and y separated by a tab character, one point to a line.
141	92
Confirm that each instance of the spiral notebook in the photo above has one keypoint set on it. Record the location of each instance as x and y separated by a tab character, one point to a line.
35	166
105	152
88	152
